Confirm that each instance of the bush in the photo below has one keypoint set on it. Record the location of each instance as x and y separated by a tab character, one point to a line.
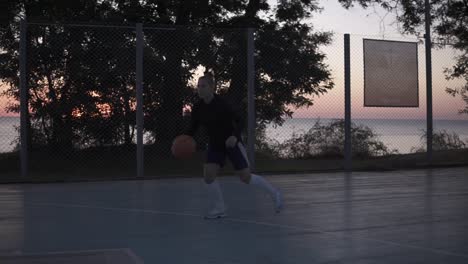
265	146
441	140
327	141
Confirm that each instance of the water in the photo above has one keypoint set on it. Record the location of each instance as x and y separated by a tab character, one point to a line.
397	134
8	133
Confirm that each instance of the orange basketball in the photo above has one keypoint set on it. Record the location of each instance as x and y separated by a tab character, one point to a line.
183	147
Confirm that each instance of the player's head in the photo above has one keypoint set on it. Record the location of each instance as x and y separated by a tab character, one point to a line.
206	86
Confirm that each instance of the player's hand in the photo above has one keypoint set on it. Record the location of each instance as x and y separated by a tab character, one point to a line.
231	142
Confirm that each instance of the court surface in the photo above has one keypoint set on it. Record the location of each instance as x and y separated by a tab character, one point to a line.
417	216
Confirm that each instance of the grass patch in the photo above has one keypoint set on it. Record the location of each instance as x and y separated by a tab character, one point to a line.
114	163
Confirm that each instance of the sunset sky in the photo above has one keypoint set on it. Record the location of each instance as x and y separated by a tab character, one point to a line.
375	23
371	23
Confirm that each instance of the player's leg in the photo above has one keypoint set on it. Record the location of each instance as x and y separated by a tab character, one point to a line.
215	160
238	157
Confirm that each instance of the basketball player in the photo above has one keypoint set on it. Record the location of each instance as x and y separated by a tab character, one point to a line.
224	130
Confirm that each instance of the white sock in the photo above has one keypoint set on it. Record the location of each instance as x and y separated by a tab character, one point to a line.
261	182
214	189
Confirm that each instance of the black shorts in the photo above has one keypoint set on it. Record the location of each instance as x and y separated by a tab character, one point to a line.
237	155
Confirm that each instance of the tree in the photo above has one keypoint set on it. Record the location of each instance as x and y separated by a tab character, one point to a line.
72	74
449	23
202	33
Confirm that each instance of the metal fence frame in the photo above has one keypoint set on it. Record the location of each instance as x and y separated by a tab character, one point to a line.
251	99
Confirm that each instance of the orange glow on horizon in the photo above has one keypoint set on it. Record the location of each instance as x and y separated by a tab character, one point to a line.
331	104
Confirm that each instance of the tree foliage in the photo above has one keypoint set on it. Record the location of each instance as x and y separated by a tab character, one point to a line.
81	79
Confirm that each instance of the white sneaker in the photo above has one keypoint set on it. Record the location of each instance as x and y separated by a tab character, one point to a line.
216	213
278	199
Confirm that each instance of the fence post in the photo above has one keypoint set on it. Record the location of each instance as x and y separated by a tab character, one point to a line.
24	115
347	68
139	99
428	81
251	97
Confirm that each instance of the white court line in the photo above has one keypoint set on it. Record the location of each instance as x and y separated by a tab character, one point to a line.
438	251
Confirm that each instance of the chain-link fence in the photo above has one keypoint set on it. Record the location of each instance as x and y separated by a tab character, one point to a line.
381	137
391	132
450	136
83	98
9	120
174	59
402	131
81	94
299	101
